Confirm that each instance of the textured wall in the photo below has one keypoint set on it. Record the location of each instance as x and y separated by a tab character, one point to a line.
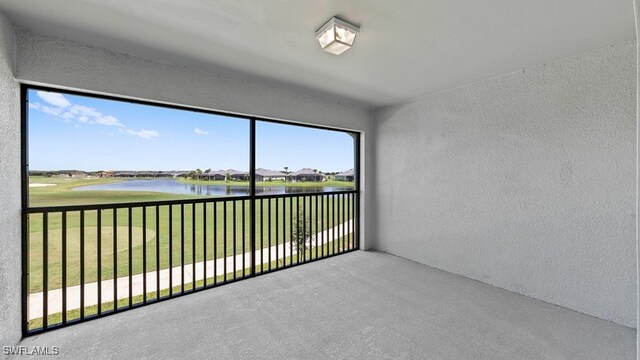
525	181
10	243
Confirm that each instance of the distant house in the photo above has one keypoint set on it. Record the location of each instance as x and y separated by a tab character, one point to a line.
179	174
214	175
305	174
269	175
348	175
231	173
78	174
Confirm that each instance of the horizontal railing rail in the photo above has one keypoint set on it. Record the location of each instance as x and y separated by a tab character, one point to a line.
88	261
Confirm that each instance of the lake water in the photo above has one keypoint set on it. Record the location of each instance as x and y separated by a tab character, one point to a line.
175	187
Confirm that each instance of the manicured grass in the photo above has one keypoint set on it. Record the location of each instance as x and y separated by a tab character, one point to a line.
181	229
342	244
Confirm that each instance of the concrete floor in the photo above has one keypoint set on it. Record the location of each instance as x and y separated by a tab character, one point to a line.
366	305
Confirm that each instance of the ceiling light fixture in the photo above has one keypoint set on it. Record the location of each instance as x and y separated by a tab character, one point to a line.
337	36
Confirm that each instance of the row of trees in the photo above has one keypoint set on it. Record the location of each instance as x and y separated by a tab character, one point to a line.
197	173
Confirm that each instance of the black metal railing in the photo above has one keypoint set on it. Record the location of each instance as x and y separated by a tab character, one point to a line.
88	261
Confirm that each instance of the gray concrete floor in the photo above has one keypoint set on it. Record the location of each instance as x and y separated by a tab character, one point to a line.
365	305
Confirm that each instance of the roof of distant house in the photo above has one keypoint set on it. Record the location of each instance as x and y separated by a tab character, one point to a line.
305	171
230	172
346	173
267	172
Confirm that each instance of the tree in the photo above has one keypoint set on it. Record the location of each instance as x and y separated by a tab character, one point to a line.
198	173
207	172
298	234
227	177
286	173
315	178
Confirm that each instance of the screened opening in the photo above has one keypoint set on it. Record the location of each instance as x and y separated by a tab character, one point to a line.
128	202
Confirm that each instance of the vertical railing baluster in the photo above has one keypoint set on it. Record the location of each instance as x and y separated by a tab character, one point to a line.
349	228
339	220
298	229
347	238
193	246
284	232
340	224
130	230
64	267
291	231
243	239
204	244
234	239
45	271
261	236
304	228
144	254
269	230
224	220
317	217
347	245
170	250
352	220
327	205
341	212
324	227
82	264
344	234
157	252
182	248
333	221
99	257
347	222
276	234
115	259
357	219
215	243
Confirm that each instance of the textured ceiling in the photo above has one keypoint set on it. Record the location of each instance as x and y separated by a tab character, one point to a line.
406	48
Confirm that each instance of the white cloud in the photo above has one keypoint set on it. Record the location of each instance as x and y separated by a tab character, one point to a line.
62	108
200	131
58	106
54	99
143	133
108	121
86	114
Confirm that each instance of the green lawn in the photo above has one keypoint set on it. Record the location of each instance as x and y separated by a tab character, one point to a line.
62	193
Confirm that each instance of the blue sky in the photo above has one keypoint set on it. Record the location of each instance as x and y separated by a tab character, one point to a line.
84	133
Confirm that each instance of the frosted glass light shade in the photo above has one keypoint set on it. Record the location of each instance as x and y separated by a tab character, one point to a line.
336	36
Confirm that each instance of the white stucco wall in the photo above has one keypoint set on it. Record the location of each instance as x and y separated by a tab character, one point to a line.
525	181
10	242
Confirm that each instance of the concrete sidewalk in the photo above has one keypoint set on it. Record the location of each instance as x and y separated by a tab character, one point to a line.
278	252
